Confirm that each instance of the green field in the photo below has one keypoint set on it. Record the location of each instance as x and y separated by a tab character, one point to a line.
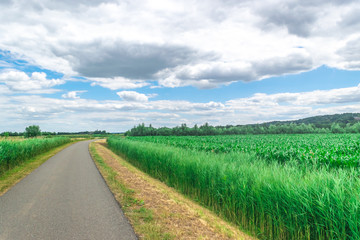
15	151
275	186
331	150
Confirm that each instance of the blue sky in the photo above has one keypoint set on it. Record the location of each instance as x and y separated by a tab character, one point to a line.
92	65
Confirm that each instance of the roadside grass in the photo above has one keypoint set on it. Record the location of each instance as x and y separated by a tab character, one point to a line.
269	199
155	210
14	175
140	217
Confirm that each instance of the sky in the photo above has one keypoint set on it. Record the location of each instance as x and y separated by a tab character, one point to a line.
113	64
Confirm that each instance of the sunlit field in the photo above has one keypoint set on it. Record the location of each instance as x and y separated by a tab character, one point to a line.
14	151
275	186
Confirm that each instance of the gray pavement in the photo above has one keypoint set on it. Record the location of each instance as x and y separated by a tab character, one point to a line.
65	198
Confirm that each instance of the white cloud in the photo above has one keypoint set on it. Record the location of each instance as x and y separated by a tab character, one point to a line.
133	96
5	64
18	81
120	115
118	83
313	98
72	94
203	44
287	106
213	74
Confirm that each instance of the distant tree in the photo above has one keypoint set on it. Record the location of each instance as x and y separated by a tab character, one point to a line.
340	123
335	128
48	133
32	131
195	130
164	131
356	127
99	131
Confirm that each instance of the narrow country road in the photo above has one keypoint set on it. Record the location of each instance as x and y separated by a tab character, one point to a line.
65	198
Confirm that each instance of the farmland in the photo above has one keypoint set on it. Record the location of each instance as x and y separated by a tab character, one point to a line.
331	150
14	152
275	186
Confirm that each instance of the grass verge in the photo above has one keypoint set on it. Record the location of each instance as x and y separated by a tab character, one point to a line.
14	175
155	210
140	217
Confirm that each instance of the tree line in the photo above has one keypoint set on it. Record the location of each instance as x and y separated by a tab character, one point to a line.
206	129
34	131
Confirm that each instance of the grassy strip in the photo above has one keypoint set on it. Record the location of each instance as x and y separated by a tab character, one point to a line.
140	217
268	199
14	175
176	214
13	153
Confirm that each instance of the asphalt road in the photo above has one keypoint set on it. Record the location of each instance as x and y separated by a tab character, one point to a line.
65	198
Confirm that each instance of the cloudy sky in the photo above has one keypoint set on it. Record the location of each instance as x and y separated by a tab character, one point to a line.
112	64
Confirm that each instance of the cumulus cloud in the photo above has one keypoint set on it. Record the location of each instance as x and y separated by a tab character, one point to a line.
287	106
72	94
126	59
203	44
295	17
133	96
18	81
4	64
350	54
351	18
301	18
318	97
118	83
134	108
51	113
213	74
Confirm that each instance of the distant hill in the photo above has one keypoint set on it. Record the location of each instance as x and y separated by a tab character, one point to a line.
324	121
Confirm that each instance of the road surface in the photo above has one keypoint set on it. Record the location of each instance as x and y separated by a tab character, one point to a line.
65	198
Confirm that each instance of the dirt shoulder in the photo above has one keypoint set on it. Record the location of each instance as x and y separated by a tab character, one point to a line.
169	213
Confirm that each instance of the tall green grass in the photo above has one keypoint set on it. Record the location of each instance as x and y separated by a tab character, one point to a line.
272	200
330	150
13	153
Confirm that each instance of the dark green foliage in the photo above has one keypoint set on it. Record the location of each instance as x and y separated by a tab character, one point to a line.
11	134
13	153
326	121
206	130
32	131
96	132
272	200
338	123
85	134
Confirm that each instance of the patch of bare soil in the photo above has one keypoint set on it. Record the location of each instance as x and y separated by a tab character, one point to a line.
172	211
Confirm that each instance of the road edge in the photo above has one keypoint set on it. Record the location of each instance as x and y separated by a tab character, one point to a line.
103	169
227	230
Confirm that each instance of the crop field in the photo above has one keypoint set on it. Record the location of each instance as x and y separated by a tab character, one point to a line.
333	150
12	139
15	151
275	186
